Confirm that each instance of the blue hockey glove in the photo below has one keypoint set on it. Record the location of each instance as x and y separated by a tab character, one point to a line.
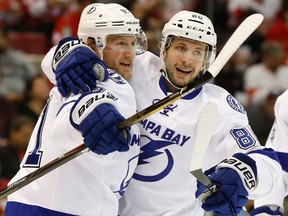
235	177
267	211
77	67
100	131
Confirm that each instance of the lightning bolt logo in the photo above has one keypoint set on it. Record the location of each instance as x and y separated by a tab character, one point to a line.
153	149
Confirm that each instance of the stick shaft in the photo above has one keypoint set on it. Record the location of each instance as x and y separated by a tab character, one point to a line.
165	101
52	165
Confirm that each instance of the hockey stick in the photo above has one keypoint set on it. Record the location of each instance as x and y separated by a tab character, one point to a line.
205	126
246	28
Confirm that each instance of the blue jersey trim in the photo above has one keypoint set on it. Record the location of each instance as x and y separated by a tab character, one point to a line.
64	106
269	152
20	209
190	96
283	157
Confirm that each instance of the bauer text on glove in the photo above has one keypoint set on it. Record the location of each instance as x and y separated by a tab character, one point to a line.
235	178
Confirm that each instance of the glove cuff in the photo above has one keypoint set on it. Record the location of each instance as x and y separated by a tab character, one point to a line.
245	168
86	103
66	46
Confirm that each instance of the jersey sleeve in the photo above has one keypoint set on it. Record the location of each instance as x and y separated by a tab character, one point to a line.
275	197
46	65
278	139
234	134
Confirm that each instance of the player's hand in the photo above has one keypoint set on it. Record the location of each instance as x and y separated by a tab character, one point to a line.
100	132
267	211
235	178
77	67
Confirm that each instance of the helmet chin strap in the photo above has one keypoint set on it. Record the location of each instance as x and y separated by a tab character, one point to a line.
164	73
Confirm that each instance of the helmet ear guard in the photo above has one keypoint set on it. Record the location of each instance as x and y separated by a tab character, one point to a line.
100	20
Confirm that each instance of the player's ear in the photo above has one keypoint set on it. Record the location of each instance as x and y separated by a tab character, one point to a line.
91	42
94	48
164	55
203	67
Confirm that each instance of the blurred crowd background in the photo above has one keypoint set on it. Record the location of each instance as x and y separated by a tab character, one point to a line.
256	74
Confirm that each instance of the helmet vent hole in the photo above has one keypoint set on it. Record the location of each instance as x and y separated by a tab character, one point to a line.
178	25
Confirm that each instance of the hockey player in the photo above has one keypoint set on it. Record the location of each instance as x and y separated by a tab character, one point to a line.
278	139
187	48
161	184
91	184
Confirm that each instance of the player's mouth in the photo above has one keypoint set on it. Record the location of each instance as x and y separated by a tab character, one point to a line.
183	71
125	64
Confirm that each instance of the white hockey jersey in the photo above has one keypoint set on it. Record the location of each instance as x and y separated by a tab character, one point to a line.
162	184
278	139
89	185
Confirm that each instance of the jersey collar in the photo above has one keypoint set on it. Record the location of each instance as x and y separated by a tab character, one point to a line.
190	96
